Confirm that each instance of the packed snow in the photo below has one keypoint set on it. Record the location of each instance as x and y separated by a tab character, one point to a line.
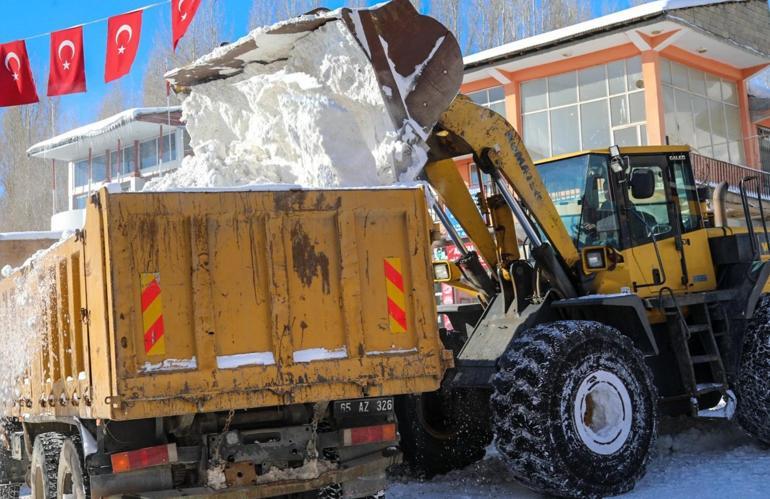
707	459
317	119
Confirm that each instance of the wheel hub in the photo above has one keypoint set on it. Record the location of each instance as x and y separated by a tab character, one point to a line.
603	412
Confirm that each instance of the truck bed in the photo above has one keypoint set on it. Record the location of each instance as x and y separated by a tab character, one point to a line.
178	302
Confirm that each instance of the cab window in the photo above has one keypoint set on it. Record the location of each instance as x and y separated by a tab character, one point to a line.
689	208
649	216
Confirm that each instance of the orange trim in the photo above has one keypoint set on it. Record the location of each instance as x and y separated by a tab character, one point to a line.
749	72
513	105
477	85
703	63
748	130
575	63
653	98
764	123
655	40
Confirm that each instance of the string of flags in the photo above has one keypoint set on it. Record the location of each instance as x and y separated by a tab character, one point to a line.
67	72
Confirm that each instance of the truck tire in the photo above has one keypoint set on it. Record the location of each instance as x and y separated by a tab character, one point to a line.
10	490
45	465
575	409
71	481
753	383
444	430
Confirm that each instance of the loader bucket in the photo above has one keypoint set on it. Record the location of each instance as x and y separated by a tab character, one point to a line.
417	61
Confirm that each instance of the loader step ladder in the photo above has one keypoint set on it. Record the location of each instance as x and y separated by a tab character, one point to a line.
694	340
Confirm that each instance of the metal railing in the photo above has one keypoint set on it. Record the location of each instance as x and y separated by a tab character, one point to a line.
714	171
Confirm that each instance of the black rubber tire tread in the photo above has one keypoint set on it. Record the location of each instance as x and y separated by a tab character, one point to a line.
71	462
45	460
753	383
467	424
533	423
10	490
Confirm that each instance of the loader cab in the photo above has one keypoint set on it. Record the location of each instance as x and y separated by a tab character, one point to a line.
634	215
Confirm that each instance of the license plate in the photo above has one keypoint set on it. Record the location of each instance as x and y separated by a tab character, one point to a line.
372	406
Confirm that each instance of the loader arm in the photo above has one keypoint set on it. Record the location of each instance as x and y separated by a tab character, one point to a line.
499	151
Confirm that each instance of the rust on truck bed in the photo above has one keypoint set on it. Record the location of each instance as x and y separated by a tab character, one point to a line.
179	302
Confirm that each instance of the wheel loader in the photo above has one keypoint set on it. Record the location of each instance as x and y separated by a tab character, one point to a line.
607	297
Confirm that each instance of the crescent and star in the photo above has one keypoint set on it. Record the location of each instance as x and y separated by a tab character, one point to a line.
71	46
11	56
123	28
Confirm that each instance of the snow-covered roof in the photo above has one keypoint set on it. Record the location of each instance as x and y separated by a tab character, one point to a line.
603	23
633	14
133	124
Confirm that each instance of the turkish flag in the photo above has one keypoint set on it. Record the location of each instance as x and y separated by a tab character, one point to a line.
67	70
182	13
122	44
16	83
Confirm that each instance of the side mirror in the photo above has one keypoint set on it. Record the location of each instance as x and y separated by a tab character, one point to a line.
642	183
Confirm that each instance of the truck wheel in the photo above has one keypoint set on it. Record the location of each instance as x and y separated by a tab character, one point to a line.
753	384
10	490
444	430
575	409
71	481
45	465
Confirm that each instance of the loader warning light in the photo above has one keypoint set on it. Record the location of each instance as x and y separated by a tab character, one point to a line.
369	434
143	458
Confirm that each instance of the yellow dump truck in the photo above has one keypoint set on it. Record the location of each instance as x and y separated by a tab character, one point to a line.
245	343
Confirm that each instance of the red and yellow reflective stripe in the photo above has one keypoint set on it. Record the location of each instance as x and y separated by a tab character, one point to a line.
394	284
152	315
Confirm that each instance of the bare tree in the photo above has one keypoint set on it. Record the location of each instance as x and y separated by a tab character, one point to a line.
26	202
266	12
207	31
113	101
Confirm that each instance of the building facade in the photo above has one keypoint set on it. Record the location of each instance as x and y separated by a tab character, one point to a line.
125	150
666	72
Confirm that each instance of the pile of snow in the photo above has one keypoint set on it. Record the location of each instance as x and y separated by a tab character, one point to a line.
24	318
317	119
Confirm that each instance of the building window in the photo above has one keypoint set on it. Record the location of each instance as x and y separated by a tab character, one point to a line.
493	98
79	202
169	148
587	109
474	180
701	110
98	169
764	148
81	173
129	160
148	151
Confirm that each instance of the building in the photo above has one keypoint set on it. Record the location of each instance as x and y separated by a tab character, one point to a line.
126	149
665	72
673	71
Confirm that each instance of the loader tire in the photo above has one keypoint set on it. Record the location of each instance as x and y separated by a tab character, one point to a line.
574	409
45	465
71	481
753	383
444	430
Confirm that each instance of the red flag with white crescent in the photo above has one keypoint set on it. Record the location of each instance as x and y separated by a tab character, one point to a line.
67	69
17	86
122	44
182	13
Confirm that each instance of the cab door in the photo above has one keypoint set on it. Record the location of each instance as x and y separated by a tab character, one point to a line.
651	231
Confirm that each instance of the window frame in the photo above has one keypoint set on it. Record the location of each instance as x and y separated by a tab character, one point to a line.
675	87
640	126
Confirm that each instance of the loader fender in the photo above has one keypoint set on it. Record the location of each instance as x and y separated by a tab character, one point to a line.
625	312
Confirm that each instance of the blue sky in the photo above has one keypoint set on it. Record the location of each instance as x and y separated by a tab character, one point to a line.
32	17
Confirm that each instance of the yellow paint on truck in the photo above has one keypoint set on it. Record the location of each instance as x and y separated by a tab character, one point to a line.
175	303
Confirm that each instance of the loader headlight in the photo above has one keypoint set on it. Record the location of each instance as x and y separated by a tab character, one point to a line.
441	271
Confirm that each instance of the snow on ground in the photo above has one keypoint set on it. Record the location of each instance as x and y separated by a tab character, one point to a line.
704	459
